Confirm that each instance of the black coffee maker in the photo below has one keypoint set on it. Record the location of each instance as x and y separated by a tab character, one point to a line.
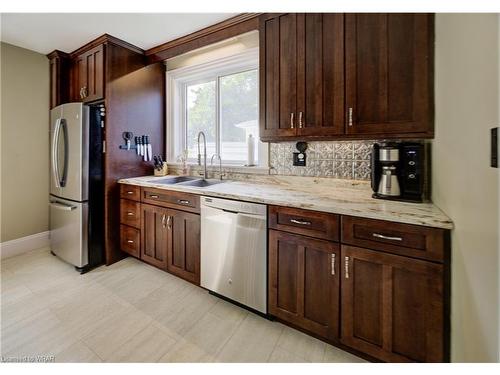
397	171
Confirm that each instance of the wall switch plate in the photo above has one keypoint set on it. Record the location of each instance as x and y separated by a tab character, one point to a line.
299	159
494	147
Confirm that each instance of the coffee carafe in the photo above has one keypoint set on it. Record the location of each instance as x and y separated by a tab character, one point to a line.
386	170
389	184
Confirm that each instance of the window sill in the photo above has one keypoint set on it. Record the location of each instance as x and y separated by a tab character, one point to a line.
226	167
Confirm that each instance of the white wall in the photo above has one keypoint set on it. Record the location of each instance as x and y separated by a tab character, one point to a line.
24	142
464	185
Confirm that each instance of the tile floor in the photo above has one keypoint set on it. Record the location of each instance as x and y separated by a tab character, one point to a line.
132	312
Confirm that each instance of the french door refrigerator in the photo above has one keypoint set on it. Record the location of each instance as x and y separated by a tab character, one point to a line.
75	179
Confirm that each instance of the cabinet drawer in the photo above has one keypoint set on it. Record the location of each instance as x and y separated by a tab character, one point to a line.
171	199
130	192
397	238
130	239
309	223
130	213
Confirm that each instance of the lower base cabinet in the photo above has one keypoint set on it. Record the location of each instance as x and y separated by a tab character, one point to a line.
171	241
183	256
392	306
162	234
155	233
304	282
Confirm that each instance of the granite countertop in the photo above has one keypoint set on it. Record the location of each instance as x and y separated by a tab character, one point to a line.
345	197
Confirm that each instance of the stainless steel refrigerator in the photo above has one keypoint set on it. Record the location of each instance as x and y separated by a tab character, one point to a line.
73	166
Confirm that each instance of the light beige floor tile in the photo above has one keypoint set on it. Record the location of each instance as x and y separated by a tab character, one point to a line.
336	355
280	355
228	311
149	345
298	343
211	332
14	294
16	336
112	333
21	309
253	341
186	351
78	352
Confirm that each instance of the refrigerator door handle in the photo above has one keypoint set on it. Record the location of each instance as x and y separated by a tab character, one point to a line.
62	207
55	141
64	127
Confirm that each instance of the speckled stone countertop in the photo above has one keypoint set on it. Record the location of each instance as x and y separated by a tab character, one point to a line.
345	197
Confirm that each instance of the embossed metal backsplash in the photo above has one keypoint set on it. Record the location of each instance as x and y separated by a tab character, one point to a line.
346	159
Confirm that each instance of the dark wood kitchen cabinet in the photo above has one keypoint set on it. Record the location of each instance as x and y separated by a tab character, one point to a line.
301	67
87	75
154	235
183	258
169	238
304	282
392	306
389	74
59	66
345	76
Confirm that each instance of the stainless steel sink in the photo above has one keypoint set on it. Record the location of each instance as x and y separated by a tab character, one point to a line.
201	183
174	180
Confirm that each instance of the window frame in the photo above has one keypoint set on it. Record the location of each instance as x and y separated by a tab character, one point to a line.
177	82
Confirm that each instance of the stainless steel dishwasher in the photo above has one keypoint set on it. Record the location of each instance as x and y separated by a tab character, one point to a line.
233	250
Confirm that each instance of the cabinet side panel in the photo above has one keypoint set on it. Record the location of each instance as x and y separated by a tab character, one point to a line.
134	102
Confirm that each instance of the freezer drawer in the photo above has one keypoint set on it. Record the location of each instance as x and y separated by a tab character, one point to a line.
68	231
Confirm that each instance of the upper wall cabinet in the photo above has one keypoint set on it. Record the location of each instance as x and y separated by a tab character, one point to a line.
87	75
59	65
336	76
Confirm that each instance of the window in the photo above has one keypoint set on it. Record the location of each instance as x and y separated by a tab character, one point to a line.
219	98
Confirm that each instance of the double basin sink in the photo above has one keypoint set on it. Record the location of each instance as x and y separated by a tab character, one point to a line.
187	181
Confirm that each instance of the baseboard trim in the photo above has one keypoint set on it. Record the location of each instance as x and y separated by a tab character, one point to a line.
24	244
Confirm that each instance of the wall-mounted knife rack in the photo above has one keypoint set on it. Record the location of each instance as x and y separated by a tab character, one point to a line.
141	146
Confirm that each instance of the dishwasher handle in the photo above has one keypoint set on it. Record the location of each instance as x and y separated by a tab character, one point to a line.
254	216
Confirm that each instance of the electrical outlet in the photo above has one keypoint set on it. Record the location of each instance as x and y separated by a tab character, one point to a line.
494	147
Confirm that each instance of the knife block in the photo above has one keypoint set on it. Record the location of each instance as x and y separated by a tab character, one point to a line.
163	171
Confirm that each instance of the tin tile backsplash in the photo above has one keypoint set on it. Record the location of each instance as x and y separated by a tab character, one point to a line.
345	159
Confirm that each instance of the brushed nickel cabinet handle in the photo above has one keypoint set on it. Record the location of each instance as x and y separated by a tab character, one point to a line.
154	196
183	201
350	116
130	214
301	222
130	192
169	222
81	92
333	263
163	221
300	120
130	241
85	92
377	235
346	265
292	125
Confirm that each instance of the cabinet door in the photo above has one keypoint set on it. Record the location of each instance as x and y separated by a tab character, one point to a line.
320	93
184	245
93	86
154	232
78	77
392	306
304	282
389	64
278	76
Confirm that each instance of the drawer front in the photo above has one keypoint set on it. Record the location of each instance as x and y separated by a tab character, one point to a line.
171	199
397	238
130	213
130	192
309	223
130	239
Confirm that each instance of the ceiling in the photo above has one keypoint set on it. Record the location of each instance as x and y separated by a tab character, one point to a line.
45	32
